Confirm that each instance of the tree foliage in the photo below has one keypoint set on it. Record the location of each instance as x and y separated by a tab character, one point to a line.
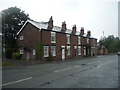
12	20
111	43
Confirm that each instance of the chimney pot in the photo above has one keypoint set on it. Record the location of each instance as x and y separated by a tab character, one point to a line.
88	33
82	31
74	29
50	23
63	26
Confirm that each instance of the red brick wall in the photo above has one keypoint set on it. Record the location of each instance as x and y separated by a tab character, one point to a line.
46	37
61	41
31	35
74	42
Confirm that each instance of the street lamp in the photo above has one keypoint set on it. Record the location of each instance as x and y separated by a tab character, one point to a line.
3	35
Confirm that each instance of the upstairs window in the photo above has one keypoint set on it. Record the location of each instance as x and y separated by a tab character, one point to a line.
21	37
68	50
87	40
46	54
53	50
21	51
53	37
34	52
79	50
68	39
78	39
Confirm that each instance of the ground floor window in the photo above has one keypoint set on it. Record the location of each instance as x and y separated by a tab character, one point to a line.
21	51
34	52
46	49
79	50
68	50
53	50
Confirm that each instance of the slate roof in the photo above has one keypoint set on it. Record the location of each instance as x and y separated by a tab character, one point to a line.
42	25
101	47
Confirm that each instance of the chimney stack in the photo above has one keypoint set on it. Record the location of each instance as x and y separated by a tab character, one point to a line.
82	31
50	23
89	33
63	26
74	29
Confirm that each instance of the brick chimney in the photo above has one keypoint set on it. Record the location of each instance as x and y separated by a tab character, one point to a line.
89	33
74	29
82	31
50	23
63	26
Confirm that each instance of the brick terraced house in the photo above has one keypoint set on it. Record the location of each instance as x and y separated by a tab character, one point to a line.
60	42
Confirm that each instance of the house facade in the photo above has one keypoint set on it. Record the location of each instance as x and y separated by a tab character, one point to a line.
102	50
60	42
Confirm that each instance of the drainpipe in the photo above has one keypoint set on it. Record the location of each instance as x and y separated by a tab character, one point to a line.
41	35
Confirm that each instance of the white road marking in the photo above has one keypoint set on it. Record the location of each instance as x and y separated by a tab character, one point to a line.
67	68
16	81
104	64
77	66
93	62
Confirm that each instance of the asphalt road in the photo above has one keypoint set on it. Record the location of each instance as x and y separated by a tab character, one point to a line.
96	72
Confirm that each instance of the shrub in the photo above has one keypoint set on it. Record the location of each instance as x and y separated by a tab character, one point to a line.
8	53
16	55
7	64
39	50
50	58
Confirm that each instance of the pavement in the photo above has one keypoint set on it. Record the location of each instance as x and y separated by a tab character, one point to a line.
95	72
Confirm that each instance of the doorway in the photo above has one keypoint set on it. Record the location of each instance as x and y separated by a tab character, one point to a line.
63	52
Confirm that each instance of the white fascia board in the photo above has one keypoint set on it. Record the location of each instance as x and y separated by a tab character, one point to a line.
22	27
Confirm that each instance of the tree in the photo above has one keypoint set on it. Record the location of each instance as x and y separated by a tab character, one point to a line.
111	43
12	20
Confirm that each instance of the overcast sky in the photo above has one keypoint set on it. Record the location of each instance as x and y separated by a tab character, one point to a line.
94	15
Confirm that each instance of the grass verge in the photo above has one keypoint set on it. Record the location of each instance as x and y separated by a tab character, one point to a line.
4	63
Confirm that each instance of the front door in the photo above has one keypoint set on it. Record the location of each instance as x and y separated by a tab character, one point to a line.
63	53
28	55
84	51
75	51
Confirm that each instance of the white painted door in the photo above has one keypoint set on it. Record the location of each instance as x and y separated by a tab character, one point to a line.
84	51
63	54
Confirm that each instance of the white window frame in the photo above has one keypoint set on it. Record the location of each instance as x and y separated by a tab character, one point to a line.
21	51
79	50
34	52
46	53
53	35
68	39
87	40
21	37
79	41
75	47
53	50
68	50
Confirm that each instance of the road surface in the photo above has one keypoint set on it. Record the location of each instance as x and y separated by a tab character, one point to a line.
95	72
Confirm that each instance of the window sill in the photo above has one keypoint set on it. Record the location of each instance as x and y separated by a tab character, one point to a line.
68	55
45	56
53	42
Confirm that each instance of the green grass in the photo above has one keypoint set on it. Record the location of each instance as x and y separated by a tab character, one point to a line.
7	63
